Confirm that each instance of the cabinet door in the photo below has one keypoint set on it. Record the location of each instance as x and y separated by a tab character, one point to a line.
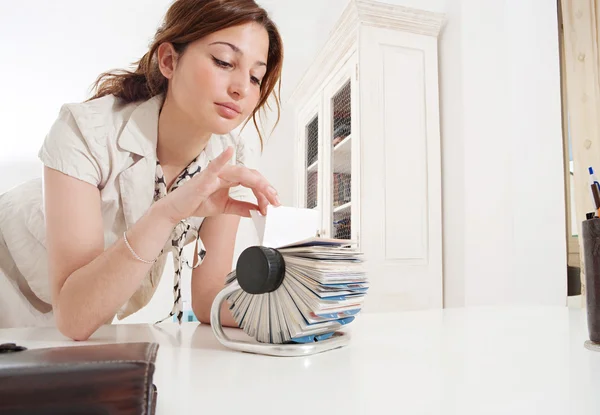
340	201
401	193
310	153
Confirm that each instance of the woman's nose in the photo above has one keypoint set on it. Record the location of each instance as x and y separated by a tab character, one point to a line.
238	88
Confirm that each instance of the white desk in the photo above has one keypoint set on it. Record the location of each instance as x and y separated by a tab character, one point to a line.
477	361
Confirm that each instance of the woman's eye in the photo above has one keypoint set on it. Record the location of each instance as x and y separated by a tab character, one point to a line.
227	65
221	63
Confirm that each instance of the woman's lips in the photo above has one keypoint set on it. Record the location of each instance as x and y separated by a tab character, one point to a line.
227	111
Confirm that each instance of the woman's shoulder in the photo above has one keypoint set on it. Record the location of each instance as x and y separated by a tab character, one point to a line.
100	115
83	139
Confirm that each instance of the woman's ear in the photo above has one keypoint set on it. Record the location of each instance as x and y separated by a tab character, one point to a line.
167	59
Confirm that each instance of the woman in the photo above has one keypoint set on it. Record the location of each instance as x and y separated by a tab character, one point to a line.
132	173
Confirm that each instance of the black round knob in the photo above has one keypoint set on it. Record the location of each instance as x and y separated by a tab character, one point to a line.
260	270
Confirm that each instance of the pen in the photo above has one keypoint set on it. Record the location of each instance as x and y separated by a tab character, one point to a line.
595	188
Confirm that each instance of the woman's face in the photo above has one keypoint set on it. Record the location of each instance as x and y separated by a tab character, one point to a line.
216	81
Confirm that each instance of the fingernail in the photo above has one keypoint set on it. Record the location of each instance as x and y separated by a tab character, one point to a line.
277	201
272	190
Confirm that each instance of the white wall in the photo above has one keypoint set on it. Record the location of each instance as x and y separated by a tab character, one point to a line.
538	199
503	175
503	226
51	54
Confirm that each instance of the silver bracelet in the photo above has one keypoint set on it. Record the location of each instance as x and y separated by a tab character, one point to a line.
136	256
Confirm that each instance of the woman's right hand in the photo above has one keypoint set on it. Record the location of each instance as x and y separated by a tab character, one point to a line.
207	193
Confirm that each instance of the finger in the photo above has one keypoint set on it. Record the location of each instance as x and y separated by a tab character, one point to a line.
225	184
240	208
220	161
265	198
205	181
250	179
263	202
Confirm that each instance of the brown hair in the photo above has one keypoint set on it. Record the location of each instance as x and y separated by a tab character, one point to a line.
187	21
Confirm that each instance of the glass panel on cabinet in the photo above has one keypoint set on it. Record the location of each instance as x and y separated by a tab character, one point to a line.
341	163
312	162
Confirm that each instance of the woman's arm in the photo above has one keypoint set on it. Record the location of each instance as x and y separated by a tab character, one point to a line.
89	284
218	234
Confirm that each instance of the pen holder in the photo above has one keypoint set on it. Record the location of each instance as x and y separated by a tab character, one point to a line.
291	305
591	248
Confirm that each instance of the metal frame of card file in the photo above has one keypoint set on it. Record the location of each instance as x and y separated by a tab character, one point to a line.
260	282
339	339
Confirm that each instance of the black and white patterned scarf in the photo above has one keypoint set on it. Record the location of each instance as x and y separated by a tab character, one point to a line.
181	231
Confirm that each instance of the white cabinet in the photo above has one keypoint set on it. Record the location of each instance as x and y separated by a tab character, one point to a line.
368	148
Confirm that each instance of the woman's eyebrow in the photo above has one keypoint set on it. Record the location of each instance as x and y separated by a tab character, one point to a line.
236	50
